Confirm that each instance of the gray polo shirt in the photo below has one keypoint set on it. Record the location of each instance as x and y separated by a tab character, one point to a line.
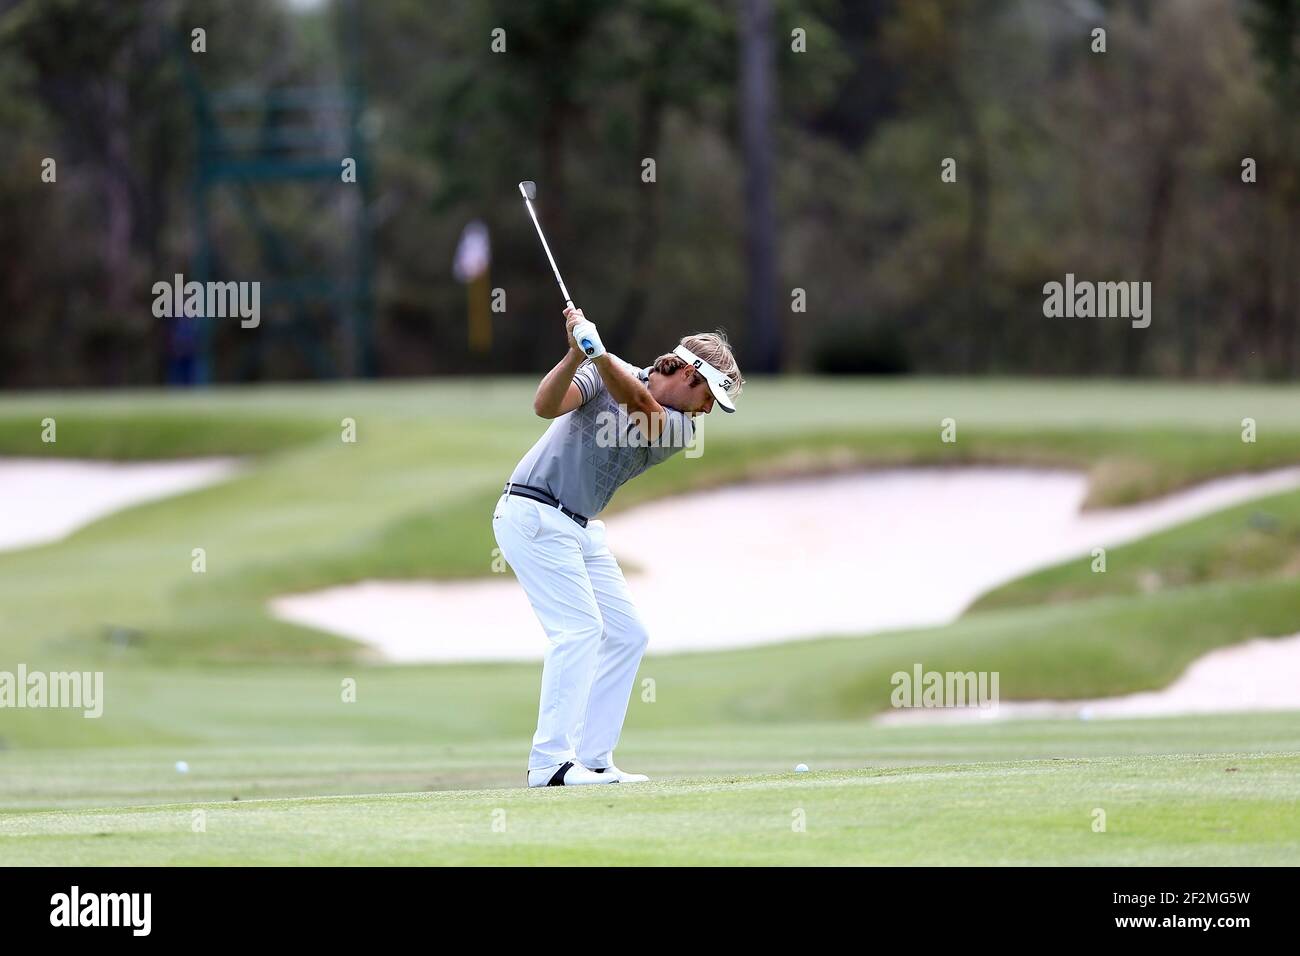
585	455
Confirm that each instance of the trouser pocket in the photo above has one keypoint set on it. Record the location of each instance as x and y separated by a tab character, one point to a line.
522	516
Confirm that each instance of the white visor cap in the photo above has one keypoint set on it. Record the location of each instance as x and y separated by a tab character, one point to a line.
719	384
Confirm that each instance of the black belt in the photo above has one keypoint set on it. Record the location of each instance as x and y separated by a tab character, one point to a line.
537	494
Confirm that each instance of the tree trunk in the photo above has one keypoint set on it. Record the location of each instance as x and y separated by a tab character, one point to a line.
645	234
116	183
756	107
975	254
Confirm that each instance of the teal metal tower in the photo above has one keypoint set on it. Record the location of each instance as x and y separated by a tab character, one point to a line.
251	140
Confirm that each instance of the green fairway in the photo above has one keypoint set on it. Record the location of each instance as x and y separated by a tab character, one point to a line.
1184	791
411	497
197	671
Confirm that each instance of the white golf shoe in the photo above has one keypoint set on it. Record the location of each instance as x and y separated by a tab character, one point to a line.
621	775
567	774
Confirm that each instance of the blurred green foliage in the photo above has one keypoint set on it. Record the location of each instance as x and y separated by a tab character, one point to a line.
1123	165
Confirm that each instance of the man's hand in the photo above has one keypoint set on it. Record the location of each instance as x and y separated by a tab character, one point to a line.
571	318
580	330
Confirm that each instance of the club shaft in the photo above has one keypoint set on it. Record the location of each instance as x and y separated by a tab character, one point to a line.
547	249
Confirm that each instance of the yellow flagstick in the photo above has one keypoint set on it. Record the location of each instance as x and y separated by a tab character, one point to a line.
480	314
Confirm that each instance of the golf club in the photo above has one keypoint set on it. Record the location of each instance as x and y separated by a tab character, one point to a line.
529	190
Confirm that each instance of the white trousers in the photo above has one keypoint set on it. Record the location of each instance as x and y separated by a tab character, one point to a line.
595	637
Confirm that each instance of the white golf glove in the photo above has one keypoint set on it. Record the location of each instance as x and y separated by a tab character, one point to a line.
586	332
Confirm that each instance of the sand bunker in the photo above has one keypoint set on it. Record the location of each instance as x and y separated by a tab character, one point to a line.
1261	674
43	500
845	555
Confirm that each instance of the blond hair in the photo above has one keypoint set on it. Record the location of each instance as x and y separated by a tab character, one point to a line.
714	348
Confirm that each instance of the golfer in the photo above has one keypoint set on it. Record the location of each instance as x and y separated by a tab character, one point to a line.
612	421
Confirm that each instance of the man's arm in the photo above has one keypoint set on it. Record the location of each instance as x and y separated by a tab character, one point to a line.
557	394
631	393
624	387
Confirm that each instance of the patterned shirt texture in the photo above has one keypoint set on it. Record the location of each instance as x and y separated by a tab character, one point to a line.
587	454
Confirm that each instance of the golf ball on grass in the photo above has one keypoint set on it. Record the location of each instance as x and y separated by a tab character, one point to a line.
801	768
182	767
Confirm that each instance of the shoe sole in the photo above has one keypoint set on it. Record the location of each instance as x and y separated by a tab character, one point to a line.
558	779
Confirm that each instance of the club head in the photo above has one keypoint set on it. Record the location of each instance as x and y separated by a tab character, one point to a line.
529	189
